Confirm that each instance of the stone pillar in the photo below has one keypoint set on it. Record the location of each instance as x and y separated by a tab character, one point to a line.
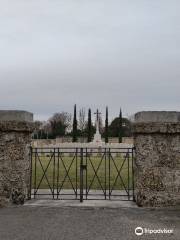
157	164
15	136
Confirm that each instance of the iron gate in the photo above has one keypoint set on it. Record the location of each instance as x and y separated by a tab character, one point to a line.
82	173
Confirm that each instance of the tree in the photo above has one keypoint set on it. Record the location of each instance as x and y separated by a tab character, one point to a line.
89	127
106	127
37	127
114	129
47	129
59	123
101	126
120	127
74	125
82	121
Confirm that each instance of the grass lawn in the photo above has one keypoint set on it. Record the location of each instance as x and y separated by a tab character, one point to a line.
57	168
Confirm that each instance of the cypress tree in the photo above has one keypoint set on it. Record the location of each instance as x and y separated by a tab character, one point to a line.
74	126
89	134
106	127
120	126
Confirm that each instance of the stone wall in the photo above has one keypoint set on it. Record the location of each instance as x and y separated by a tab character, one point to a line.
15	138
157	165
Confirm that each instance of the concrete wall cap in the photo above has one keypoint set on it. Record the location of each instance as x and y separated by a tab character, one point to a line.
157	116
16	115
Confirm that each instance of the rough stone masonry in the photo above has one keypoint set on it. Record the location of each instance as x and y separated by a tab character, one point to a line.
15	137
157	165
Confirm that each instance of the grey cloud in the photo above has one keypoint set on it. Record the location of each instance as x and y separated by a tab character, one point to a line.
93	53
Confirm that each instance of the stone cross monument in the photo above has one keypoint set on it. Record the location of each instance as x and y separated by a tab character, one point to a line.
97	137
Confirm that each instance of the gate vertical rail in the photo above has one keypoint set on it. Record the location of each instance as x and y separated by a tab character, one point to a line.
57	182
105	176
35	166
109	159
76	156
86	173
133	156
30	170
54	162
81	175
128	175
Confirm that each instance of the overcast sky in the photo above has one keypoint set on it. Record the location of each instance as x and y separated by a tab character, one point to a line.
55	53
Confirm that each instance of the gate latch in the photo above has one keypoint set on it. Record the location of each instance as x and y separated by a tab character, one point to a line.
84	167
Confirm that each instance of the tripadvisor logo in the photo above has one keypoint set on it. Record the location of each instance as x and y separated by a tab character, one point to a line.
140	231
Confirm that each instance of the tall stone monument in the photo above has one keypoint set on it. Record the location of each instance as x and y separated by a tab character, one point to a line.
97	137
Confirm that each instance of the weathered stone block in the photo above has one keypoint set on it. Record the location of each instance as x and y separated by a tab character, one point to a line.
157	165
15	139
